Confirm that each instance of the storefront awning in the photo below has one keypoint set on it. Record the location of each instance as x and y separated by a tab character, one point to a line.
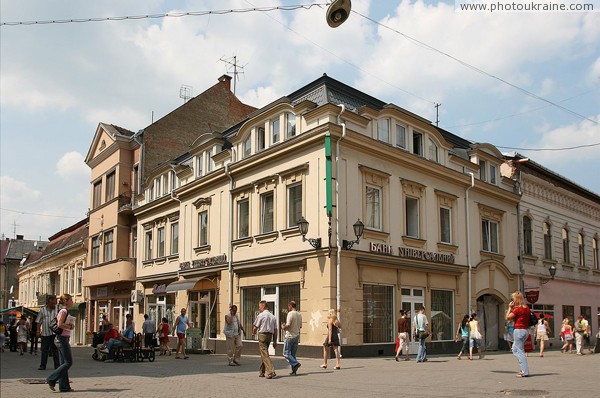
185	284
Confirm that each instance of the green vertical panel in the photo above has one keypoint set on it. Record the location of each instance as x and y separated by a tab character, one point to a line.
328	176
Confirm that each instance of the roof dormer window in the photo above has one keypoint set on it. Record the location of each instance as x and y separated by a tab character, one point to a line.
247	147
290	120
275	129
383	130
432	151
260	139
417	143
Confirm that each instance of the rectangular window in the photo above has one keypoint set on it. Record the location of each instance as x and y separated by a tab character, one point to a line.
596	253
160	238
527	236
286	294
71	280
110	186
96	250
586	311
97	199
151	192
290	129
108	245
136	182
79	279
445	225
412	217
547	241
482	170
209	161
247	147
417	143
175	238
492	174
581	245
275	131
442	315
490	236
148	245
134	242
260	139
158	187
566	244
294	204
173	178
203	228
401	136
373	207
244	218
432	151
568	311
383	130
266	213
378	314
251	296
199	165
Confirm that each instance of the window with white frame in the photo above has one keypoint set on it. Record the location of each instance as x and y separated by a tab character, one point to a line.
108	245
489	235
290	120
373	207
417	143
151	192
79	278
175	238
445	225
432	151
199	165
275	131
596	253
71	280
266	212
160	240
378	314
383	130
412	217
243	218
157	187
492	174
581	245
294	196
95	250
203	228
566	245
110	186
148	243
209	161
482	170
247	147
260	139
400	136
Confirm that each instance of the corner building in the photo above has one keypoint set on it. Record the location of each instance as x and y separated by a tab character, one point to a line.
227	228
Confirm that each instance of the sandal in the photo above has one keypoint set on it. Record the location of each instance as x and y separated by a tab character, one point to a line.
522	375
185	357
323	366
337	368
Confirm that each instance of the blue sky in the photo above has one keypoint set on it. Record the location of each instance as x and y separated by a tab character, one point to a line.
59	81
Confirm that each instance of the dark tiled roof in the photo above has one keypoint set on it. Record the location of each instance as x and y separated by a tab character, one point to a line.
20	247
80	234
123	131
3	249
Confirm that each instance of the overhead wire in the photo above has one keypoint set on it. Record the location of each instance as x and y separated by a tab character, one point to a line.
38	214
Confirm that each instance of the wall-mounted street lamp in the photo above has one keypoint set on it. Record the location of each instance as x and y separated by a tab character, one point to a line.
552	271
358	227
303	227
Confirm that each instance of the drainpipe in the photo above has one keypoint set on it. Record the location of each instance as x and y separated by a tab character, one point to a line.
138	183
520	235
469	238
230	245
338	260
182	218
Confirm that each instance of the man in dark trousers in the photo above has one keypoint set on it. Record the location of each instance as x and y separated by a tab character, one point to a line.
46	315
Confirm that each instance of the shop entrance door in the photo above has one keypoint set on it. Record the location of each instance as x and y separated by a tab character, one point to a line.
413	298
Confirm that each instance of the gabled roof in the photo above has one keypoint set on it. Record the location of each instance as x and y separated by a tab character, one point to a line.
74	235
114	132
18	248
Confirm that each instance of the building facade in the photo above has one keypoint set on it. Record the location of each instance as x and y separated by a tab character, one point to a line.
439	224
56	270
560	228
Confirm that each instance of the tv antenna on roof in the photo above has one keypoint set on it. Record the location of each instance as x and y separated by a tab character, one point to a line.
186	92
237	69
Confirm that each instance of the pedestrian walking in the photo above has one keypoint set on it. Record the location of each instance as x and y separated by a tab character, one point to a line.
475	337
580	329
180	327
22	334
292	326
45	316
421	332
3	333
163	337
462	334
12	335
566	333
586	335
520	313
33	336
403	335
148	328
233	336
65	322
541	333
332	340
266	327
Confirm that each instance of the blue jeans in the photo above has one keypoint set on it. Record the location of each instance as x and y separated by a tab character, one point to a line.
518	349
422	353
113	345
290	347
61	374
465	345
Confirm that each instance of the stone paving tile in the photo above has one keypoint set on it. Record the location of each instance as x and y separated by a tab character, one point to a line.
556	375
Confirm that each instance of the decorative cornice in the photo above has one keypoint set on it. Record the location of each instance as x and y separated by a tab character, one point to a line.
551	195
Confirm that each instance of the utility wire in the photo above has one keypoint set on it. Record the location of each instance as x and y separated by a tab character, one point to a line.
476	69
549	149
38	214
165	15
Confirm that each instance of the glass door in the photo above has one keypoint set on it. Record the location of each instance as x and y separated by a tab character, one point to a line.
412	300
270	296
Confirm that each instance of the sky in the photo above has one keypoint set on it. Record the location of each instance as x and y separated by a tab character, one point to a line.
58	81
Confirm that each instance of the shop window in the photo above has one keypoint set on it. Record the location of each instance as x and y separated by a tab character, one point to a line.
294	204
378	314
566	244
586	311
568	312
445	225
383	130
548	311
97	198
373	207
251	296
547	241
95	250
527	236
400	136
266	212
442	314
175	238
286	294
412	217
160	240
203	228
489	236
110	186
581	246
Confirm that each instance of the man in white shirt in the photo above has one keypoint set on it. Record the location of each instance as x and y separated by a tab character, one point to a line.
292	327
148	328
421	332
45	316
233	336
266	327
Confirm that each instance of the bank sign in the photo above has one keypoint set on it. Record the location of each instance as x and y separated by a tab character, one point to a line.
407	252
203	262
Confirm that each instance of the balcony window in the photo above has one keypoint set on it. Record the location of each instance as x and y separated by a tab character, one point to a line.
383	130
108	245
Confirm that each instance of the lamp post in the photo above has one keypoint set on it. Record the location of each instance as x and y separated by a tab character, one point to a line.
303	228
358	227
552	271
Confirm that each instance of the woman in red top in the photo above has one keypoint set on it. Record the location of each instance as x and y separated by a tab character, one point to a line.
520	313
163	334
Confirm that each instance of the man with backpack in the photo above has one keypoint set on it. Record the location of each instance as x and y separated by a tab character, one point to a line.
46	315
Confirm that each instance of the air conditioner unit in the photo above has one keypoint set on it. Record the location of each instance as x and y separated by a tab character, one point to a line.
137	296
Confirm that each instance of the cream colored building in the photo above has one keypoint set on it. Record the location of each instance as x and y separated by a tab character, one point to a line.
56	270
219	224
560	228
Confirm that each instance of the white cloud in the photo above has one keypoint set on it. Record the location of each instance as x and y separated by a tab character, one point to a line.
594	74
72	165
14	192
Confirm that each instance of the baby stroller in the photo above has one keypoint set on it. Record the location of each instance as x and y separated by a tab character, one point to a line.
98	339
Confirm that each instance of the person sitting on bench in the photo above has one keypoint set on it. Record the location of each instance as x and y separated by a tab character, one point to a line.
109	334
125	341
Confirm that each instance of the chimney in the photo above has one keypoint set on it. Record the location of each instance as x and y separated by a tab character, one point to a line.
20	237
226	80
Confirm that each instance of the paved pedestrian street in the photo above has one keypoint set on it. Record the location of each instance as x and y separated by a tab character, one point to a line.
555	375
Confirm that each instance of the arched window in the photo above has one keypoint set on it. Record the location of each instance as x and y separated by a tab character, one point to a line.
527	236
566	243
547	241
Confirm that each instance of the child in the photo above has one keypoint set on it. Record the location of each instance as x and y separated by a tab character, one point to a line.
163	334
